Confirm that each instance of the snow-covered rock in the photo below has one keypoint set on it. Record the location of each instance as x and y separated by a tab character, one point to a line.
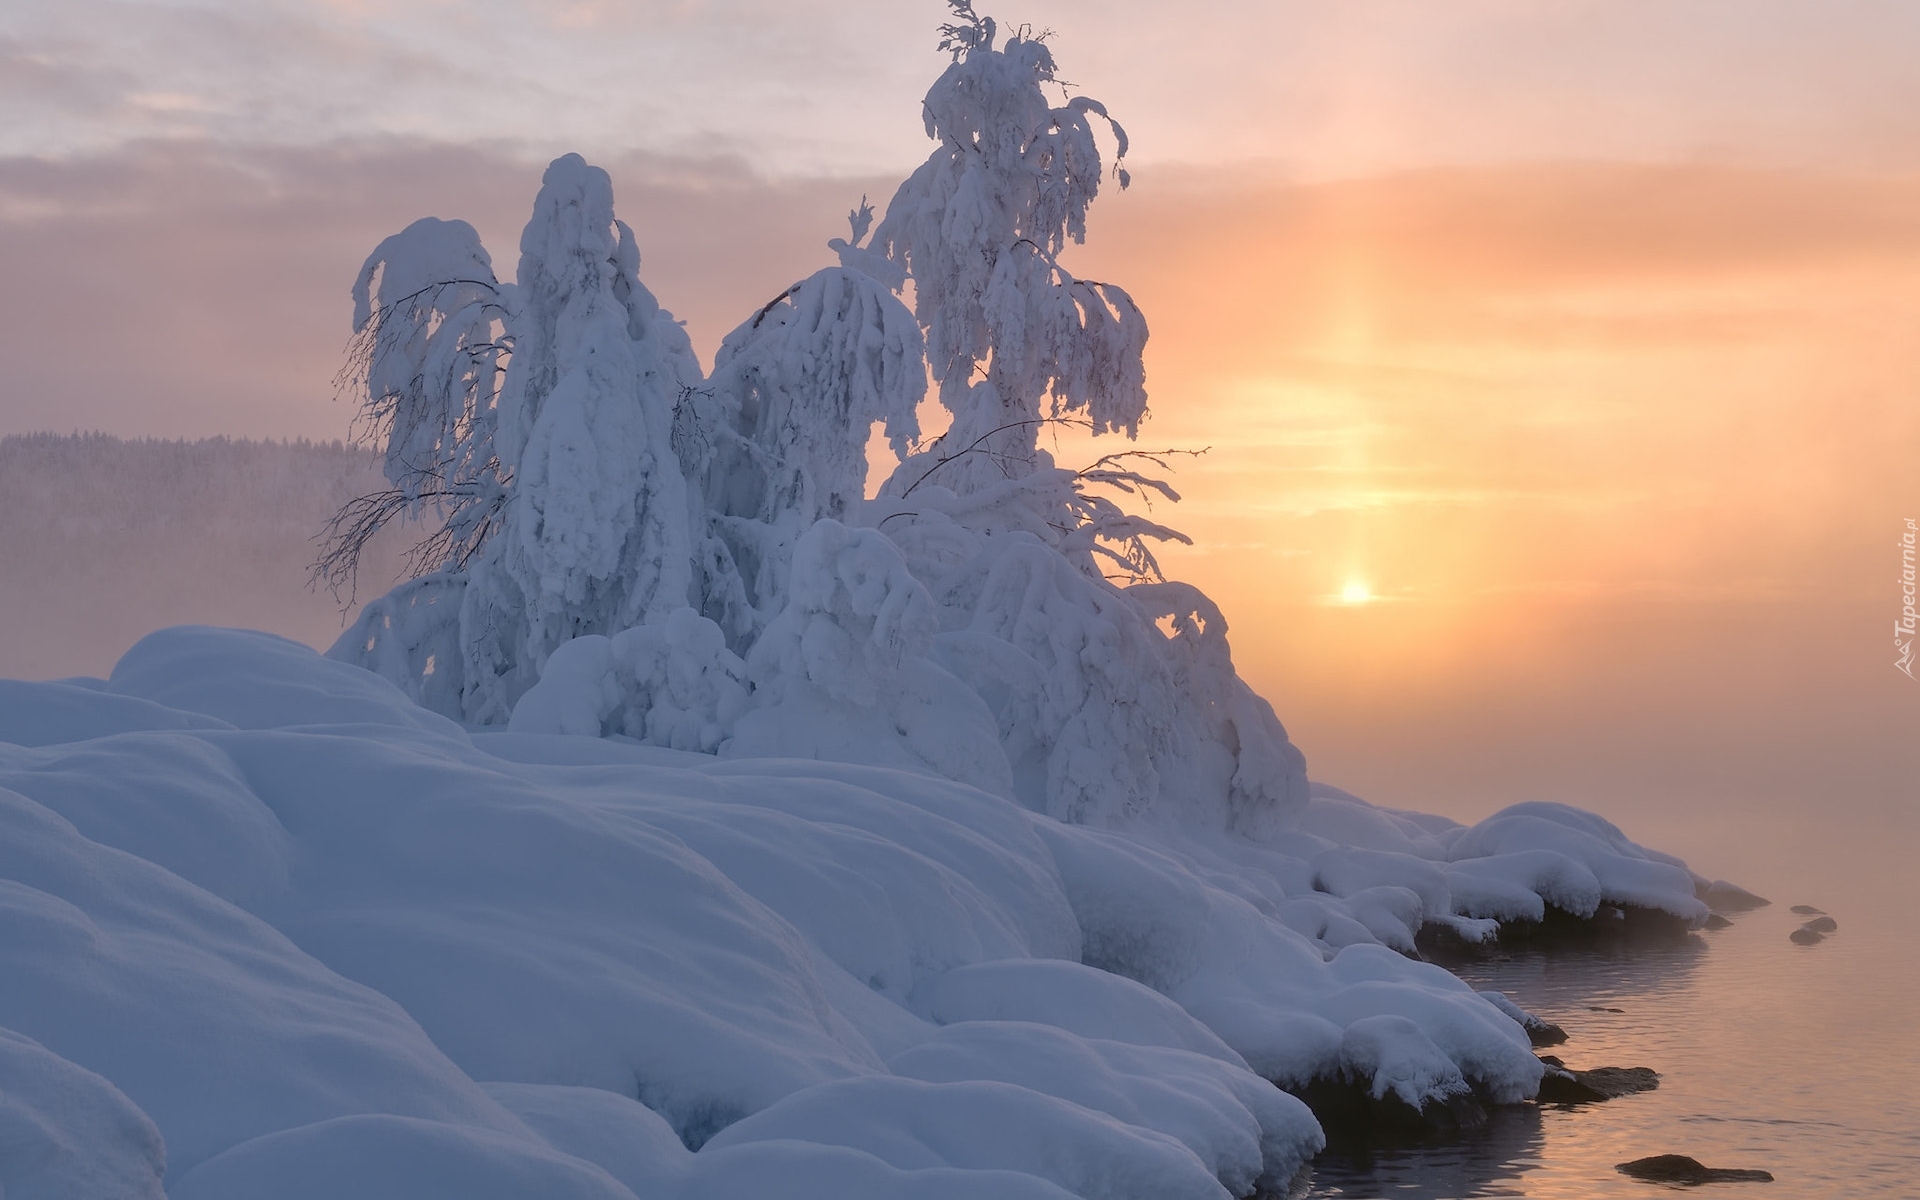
259	905
67	1132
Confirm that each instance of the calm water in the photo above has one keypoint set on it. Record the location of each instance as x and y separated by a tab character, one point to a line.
1800	1060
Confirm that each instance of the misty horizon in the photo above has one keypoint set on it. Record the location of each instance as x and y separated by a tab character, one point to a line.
1460	381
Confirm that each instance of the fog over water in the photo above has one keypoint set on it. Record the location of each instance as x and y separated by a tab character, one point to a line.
104	540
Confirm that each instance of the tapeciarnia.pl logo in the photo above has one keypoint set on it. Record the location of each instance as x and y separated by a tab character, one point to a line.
1903	628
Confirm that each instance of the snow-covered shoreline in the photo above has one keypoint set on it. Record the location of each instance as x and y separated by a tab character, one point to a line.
267	924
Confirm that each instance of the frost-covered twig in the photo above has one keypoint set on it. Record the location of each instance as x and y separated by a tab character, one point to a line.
471	514
977	445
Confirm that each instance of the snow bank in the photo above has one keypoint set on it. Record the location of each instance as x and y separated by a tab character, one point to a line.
259	905
1238	1126
1510	867
65	1131
1576	861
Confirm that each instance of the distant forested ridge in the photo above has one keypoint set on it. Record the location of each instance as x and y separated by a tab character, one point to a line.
103	539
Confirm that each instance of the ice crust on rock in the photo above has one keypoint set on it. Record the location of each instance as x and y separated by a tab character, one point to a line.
356	946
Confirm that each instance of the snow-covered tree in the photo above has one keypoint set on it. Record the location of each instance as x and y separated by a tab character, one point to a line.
586	528
1103	714
844	670
1012	337
598	535
430	337
782	428
692	561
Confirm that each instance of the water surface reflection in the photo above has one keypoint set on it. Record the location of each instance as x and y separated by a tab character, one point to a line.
1793	1059
1482	1162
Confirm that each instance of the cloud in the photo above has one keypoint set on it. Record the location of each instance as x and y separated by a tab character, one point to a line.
778	83
187	288
809	87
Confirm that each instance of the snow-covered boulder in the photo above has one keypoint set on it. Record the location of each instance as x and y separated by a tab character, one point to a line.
67	1132
295	949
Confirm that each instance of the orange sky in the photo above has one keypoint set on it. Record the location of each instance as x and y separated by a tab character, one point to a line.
1622	451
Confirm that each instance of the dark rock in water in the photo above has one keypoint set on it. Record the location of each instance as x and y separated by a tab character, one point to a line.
1716	921
1806	937
1620	1081
1562	1085
1722	896
1545	1033
1601	1008
1349	1112
1805	910
1678	1168
1822	925
1539	1032
1609	927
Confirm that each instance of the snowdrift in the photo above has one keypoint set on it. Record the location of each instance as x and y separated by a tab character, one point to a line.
268	927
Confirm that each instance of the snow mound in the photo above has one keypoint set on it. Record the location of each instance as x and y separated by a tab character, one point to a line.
1238	1125
1512	866
258	681
983	1125
1069	996
65	1131
260	905
46	714
1575	861
382	1157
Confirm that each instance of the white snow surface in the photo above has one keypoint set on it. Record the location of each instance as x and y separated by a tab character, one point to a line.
268	927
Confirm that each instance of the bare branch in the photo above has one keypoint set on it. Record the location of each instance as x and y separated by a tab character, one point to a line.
974	447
